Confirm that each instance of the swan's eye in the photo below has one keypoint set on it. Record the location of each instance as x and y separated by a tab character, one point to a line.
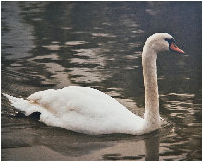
170	40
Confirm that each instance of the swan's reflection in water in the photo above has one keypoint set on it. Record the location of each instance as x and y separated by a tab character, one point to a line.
142	149
77	146
49	143
152	148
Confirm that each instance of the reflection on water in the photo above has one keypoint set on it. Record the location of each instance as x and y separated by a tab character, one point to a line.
13	28
99	44
67	145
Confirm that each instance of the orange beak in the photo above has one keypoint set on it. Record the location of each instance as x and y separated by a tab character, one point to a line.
173	47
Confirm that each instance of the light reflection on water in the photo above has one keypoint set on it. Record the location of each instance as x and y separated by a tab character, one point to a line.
99	44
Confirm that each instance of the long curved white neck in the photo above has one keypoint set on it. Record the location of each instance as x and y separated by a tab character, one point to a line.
151	117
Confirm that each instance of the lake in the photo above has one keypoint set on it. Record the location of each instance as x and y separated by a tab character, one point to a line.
48	45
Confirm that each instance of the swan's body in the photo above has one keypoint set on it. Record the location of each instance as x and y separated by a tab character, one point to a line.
81	109
87	110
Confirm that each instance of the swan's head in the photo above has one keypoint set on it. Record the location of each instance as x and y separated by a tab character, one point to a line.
162	42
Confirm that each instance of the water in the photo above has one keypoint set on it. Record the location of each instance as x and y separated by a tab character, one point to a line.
99	44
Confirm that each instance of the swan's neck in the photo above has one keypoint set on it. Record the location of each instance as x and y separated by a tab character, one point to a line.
151	117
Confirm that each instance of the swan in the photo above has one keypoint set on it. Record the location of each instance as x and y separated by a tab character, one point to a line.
90	111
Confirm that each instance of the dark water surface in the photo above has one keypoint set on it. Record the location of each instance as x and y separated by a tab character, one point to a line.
55	44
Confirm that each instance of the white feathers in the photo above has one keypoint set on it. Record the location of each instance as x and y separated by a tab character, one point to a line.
81	109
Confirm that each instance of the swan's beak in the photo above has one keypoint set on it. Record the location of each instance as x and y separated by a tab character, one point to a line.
173	47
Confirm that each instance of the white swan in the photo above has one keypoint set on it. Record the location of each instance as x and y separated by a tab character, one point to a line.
87	110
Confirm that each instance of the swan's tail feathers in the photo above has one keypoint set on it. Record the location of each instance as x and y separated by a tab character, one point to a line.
22	104
11	98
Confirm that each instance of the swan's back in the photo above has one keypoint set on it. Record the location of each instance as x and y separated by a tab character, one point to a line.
82	109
